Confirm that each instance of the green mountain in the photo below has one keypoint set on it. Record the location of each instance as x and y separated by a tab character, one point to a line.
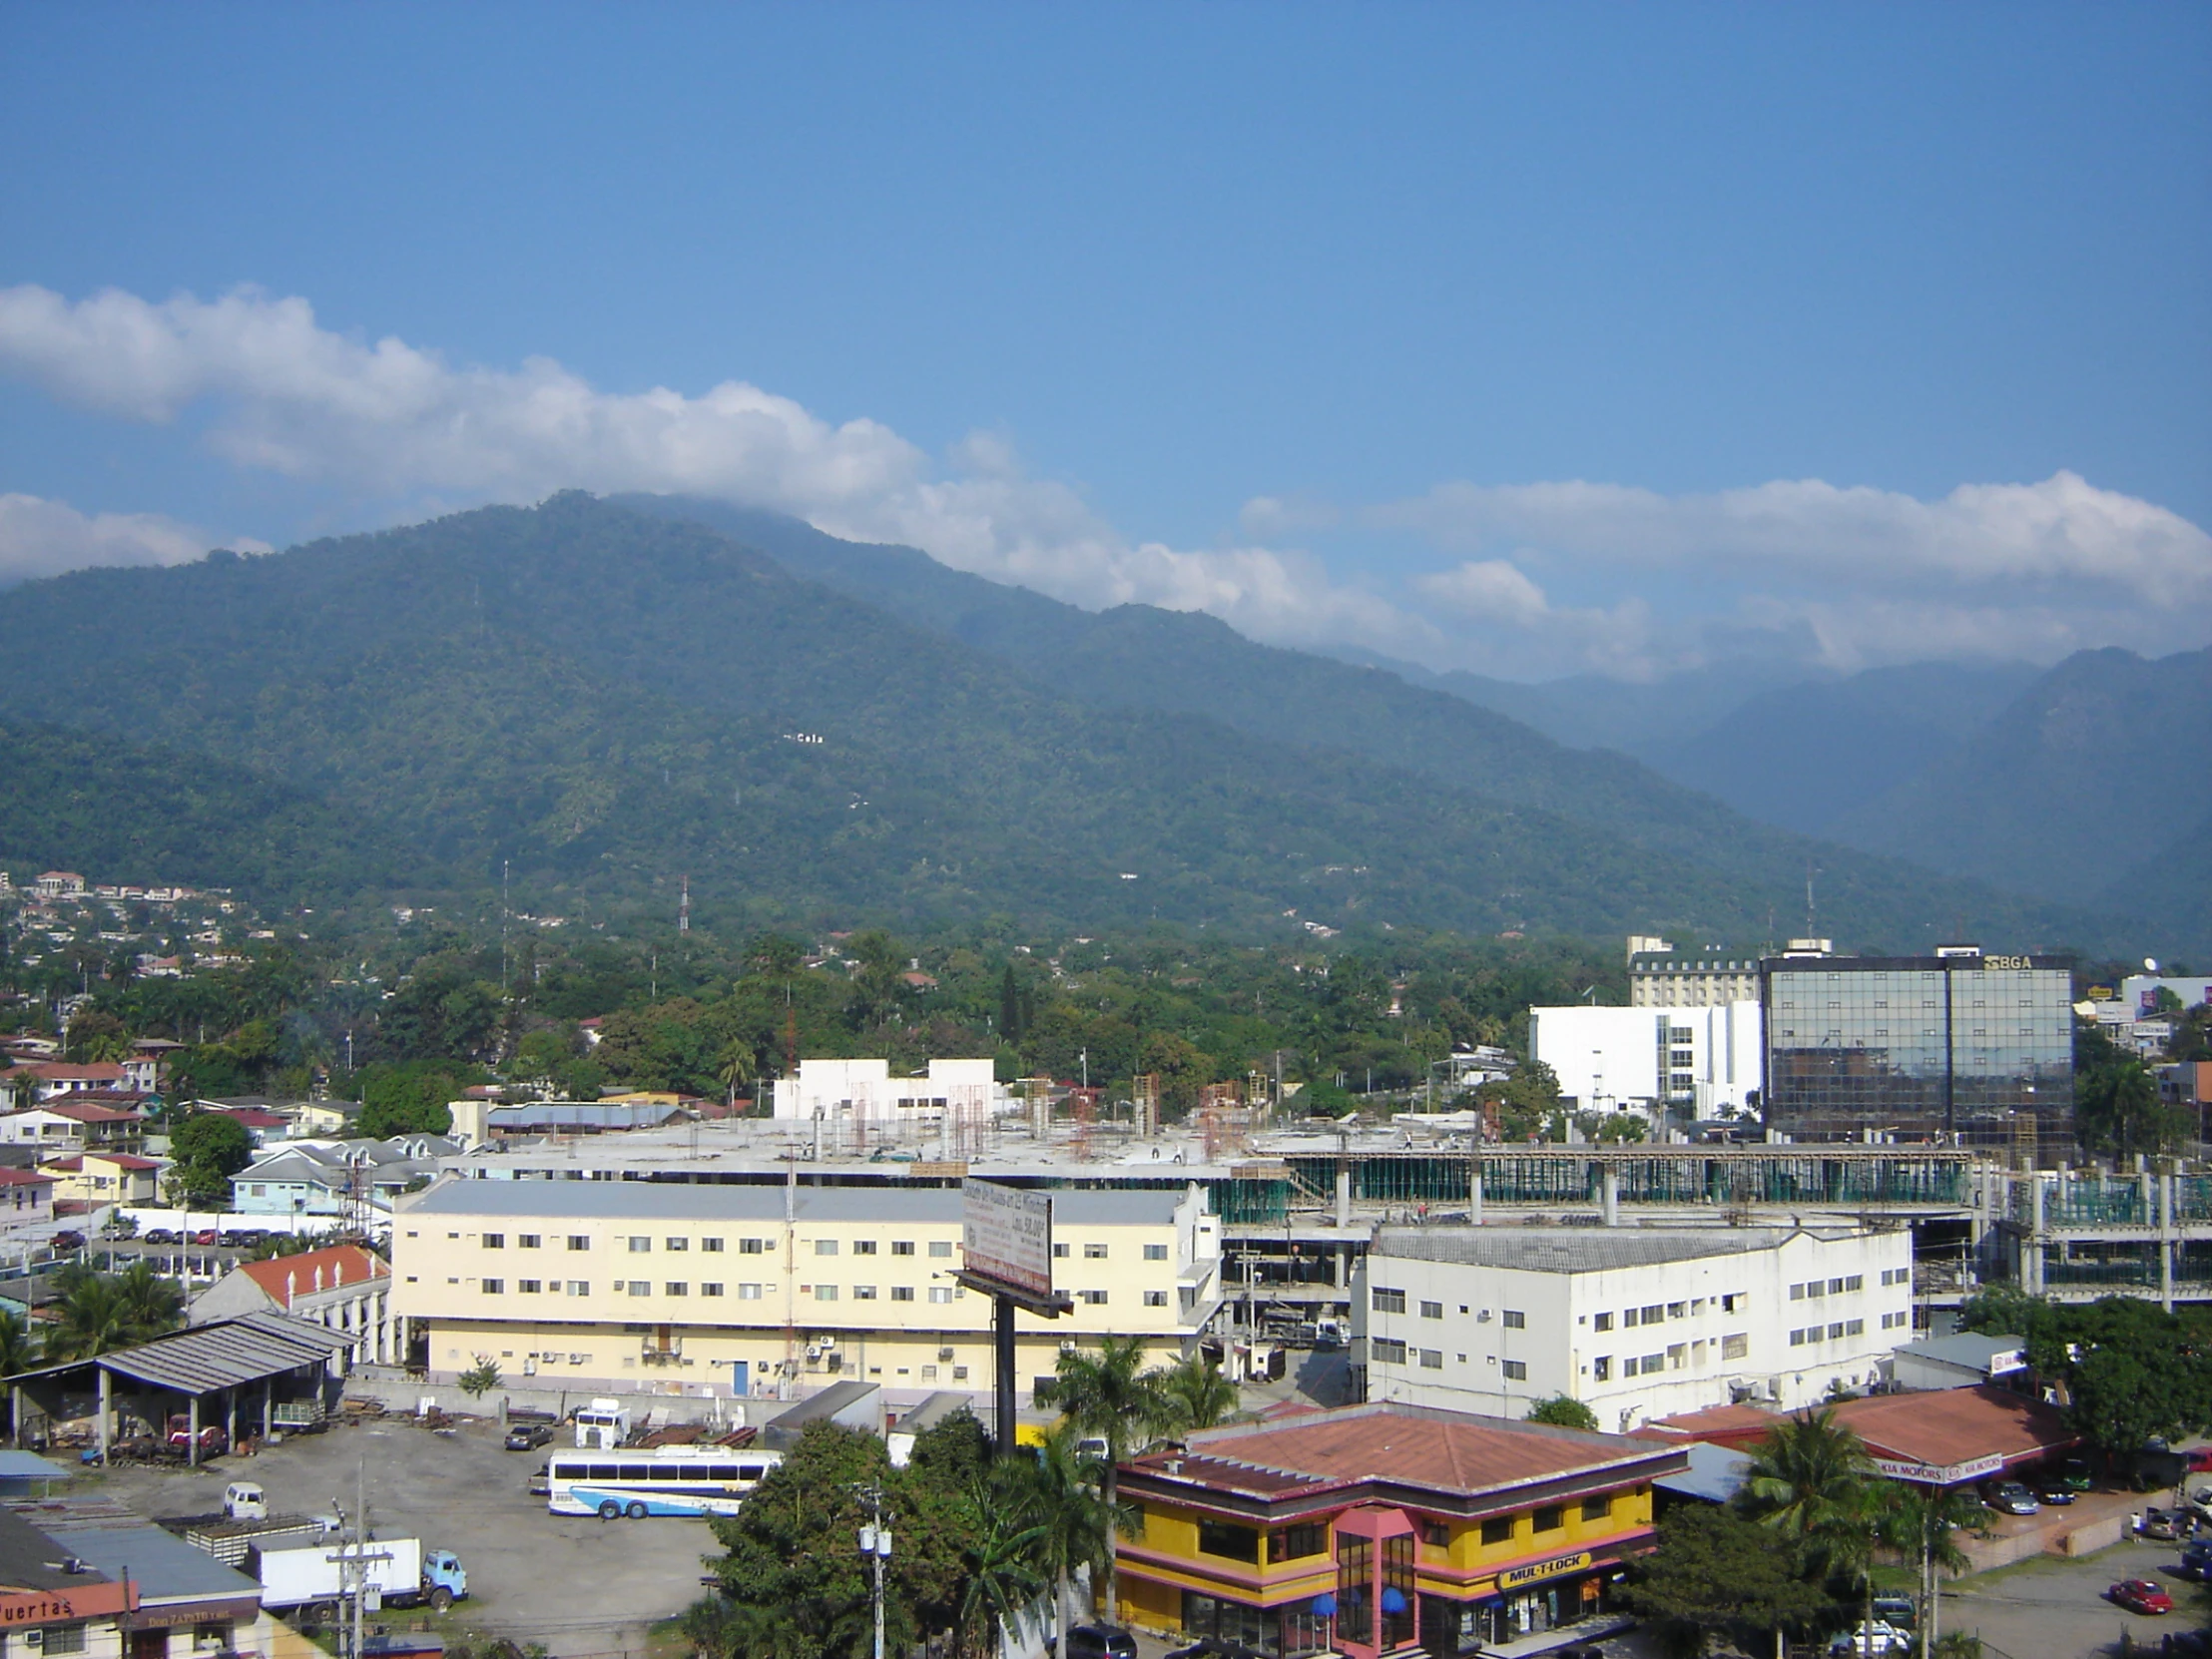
615	702
2100	767
121	811
1140	656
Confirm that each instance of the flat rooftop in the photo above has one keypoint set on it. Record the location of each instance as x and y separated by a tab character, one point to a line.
716	1201
1582	1249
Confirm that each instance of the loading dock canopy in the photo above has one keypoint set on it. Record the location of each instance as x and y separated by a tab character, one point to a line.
207	1359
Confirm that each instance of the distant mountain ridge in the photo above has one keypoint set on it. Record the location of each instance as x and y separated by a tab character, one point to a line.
1140	656
2101	766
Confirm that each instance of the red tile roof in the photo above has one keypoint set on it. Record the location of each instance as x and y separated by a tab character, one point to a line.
10	1177
1731	1425
1947	1427
85	1112
255	1117
284	1277
1405	1445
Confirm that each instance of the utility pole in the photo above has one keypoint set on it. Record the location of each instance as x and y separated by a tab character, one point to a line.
875	1543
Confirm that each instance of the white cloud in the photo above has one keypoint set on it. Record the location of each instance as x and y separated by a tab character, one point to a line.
299	400
2064	529
44	538
1553	577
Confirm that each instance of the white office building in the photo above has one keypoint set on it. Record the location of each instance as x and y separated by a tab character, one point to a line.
845	1091
1700	1059
1636	1322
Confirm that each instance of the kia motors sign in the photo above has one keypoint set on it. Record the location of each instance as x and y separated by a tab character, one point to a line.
1006	1236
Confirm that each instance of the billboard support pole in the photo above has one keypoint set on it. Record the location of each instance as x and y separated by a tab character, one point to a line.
1006	1245
1002	1333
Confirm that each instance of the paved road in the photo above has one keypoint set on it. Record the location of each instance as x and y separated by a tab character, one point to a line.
581	1586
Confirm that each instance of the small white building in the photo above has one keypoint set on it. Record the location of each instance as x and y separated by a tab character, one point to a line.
1701	1059
1636	1322
1965	1360
342	1287
842	1091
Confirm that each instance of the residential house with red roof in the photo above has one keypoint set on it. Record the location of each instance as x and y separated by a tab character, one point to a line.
92	1179
343	1288
26	1197
1381	1528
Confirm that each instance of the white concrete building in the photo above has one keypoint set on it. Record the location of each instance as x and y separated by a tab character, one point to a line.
1616	1059
842	1091
1636	1322
343	1288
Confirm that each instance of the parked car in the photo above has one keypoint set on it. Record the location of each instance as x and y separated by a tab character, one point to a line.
2162	1523
1213	1647
2200	1459
1896	1610
212	1437
2052	1492
68	1238
1100	1641
1872	1639
2009	1497
2196	1560
2141	1595
205	1237
161	1236
2075	1475
528	1436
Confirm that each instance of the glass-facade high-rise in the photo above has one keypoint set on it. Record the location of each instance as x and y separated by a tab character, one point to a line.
1961	1045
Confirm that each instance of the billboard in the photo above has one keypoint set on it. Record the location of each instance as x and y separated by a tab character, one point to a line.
1007	1235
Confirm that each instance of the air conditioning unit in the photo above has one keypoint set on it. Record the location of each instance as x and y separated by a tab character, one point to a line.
34	1638
814	1350
944	1353
828	1342
1483	1317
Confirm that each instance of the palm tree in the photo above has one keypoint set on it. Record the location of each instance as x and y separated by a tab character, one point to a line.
1109	1395
1057	1493
999	1582
18	1352
734	1069
1920	1521
90	1318
1195	1396
1809	1481
154	1304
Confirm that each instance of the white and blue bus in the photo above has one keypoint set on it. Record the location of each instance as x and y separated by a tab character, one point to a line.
690	1480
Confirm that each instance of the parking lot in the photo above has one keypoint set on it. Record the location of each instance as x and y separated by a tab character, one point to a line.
580	1586
2054	1608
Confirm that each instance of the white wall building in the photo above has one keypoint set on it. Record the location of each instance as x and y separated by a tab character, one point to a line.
840	1091
1609	1059
1636	1322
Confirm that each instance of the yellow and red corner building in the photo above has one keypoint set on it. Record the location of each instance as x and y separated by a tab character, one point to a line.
1379	1528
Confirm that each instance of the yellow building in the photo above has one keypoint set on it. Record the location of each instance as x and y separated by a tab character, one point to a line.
1381	1528
91	1180
644	1283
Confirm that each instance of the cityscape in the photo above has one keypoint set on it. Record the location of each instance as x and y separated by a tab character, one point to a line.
1172	834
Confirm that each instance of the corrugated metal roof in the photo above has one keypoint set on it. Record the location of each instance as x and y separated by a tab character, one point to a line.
228	1354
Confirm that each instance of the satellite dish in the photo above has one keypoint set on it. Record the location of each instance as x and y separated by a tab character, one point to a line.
2150	965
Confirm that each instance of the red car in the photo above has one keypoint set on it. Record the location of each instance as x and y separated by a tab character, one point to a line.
2200	1460
2141	1595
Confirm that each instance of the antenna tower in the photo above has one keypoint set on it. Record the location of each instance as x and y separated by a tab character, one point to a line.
683	908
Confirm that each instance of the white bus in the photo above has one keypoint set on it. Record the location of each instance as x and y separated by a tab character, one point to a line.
690	1480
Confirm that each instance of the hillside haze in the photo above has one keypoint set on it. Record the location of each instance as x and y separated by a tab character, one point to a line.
617	701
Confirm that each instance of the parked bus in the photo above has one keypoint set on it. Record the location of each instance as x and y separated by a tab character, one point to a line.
688	1480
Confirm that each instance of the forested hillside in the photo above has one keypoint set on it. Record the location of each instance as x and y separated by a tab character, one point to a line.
615	703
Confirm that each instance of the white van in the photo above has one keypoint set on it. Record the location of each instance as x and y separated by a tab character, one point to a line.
245	1500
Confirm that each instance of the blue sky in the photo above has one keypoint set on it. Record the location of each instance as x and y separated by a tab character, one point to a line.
1525	339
